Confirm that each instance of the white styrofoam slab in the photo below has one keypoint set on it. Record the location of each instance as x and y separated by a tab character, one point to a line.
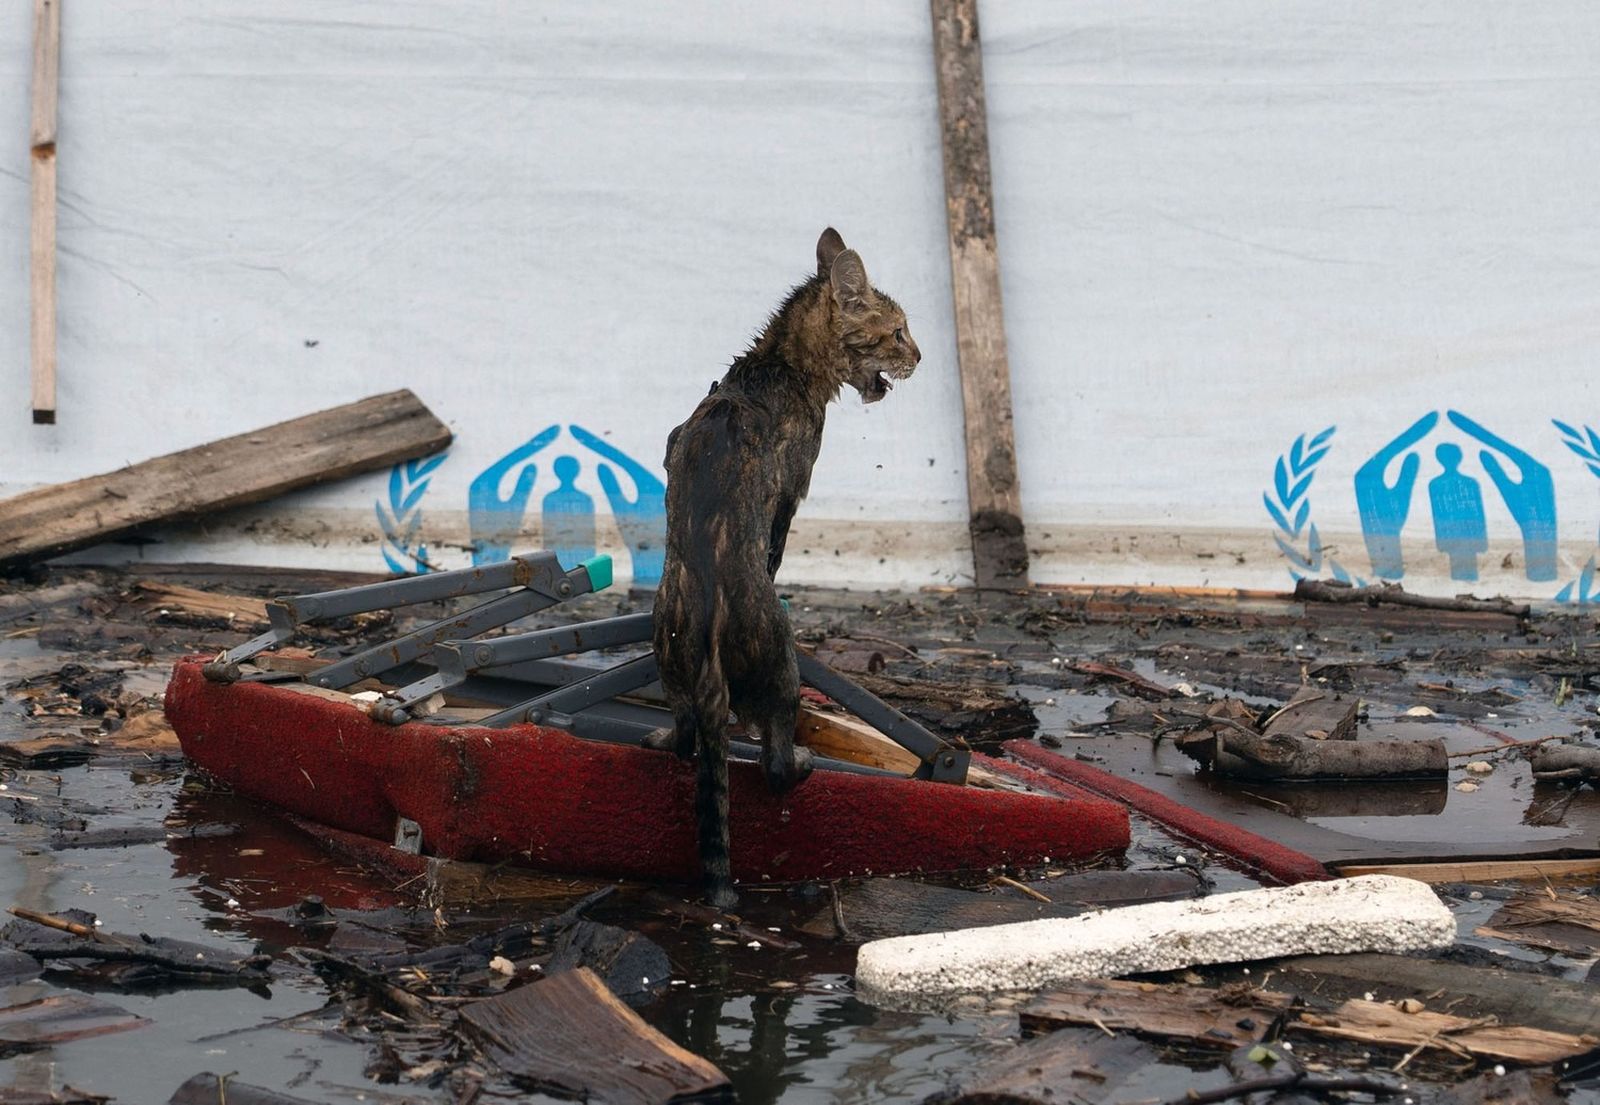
1372	913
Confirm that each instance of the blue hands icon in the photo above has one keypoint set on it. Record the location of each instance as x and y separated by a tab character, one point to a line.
1384	506
641	519
496	520
1530	496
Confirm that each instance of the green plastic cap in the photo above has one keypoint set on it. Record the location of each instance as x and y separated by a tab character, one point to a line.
785	604
599	569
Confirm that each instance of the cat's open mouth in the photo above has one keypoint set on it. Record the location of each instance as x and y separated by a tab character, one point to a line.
879	386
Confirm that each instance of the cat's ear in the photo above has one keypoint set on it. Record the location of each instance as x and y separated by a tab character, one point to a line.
829	246
849	279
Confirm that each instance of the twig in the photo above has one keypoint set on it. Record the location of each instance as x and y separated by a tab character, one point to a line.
1024	888
1505	747
838	913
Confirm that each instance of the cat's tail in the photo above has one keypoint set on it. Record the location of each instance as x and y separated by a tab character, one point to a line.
711	756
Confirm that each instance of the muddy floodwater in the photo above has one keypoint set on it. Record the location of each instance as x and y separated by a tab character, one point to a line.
150	846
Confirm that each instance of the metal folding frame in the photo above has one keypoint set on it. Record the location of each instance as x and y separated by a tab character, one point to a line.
522	672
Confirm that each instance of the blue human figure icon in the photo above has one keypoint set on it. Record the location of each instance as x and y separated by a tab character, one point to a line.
495	519
642	519
1384	505
1460	529
568	518
1530	495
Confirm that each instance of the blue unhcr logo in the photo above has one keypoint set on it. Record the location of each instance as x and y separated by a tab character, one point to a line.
496	512
1385	487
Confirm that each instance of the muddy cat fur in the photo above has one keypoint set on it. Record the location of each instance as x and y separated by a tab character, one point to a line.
736	471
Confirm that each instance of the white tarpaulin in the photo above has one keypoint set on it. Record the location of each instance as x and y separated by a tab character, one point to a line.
1288	287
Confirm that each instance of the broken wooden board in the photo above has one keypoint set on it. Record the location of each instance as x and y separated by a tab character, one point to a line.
175	600
146	736
1226	1018
1516	997
1378	1023
1317	714
546	1035
841	736
58	1018
1567	925
358	437
1239	1014
1068	1065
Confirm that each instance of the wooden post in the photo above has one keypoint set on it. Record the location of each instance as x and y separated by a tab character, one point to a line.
42	143
994	499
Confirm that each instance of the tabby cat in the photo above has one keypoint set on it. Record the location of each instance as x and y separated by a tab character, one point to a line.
736	471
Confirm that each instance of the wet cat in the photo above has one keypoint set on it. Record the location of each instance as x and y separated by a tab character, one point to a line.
736	471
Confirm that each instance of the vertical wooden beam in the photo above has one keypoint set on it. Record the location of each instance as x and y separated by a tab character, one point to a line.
994	500
42	143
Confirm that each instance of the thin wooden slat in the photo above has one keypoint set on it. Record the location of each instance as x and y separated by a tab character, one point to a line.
570	1036
42	144
994	498
1480	870
358	437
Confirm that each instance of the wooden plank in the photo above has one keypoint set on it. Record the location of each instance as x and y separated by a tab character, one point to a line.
547	1037
1240	1014
1378	1023
1568	925
1316	713
1185	1012
843	737
59	1018
42	144
994	496
1516	997
241	611
1070	1065
343	441
1536	870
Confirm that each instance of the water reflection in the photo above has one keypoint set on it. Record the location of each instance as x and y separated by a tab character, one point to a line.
1419	797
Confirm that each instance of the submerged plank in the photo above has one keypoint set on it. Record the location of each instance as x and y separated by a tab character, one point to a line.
211	1089
1070	1065
547	1037
358	437
1513	996
1227	1018
1239	1014
59	1018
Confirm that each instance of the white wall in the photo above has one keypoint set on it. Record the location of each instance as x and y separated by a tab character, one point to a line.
1220	227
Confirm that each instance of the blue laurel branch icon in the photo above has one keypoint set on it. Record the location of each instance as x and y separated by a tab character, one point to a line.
400	518
1586	444
1288	501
